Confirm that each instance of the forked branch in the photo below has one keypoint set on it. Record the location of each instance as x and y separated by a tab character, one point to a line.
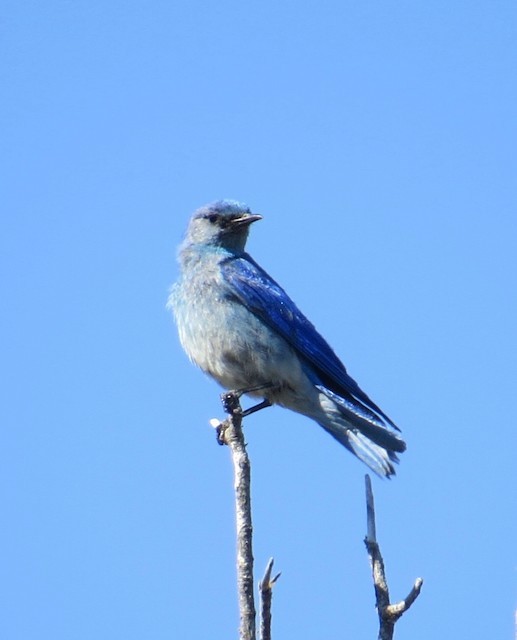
266	596
388	613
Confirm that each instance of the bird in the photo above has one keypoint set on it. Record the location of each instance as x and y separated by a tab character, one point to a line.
240	327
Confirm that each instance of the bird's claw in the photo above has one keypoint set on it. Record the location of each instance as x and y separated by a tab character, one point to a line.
232	405
230	402
220	434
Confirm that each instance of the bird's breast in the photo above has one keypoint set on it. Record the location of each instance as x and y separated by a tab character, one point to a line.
227	341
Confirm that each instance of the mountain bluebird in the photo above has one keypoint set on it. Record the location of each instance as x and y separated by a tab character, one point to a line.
239	326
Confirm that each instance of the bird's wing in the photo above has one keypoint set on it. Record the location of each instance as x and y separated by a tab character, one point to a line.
254	288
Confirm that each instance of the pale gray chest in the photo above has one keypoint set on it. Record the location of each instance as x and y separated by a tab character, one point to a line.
224	338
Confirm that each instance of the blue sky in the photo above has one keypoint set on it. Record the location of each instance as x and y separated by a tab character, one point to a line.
378	140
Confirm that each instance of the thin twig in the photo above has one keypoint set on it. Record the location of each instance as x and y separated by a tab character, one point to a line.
230	433
388	613
266	596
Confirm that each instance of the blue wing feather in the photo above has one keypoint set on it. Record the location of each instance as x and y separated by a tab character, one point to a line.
253	287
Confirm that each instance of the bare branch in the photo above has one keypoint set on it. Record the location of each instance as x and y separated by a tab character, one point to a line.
388	613
230	432
266	596
370	511
396	610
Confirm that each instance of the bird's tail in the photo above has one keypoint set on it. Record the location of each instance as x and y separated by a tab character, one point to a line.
366	435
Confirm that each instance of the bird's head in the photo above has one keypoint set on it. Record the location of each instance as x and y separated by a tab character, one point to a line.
224	223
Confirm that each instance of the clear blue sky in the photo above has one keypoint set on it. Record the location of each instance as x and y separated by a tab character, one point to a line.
378	140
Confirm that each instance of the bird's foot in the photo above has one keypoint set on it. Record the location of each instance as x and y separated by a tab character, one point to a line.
220	432
231	400
231	403
232	406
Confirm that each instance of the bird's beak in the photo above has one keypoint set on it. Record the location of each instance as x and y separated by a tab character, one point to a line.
246	220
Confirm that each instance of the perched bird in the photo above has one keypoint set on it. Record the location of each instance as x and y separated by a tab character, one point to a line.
239	326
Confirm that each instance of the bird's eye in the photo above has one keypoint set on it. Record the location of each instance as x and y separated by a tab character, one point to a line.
213	218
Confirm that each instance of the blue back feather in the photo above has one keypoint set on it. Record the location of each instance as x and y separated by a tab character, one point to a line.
253	287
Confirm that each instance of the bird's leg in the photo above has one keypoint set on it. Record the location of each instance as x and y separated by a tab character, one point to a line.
230	400
259	387
232	406
257	407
